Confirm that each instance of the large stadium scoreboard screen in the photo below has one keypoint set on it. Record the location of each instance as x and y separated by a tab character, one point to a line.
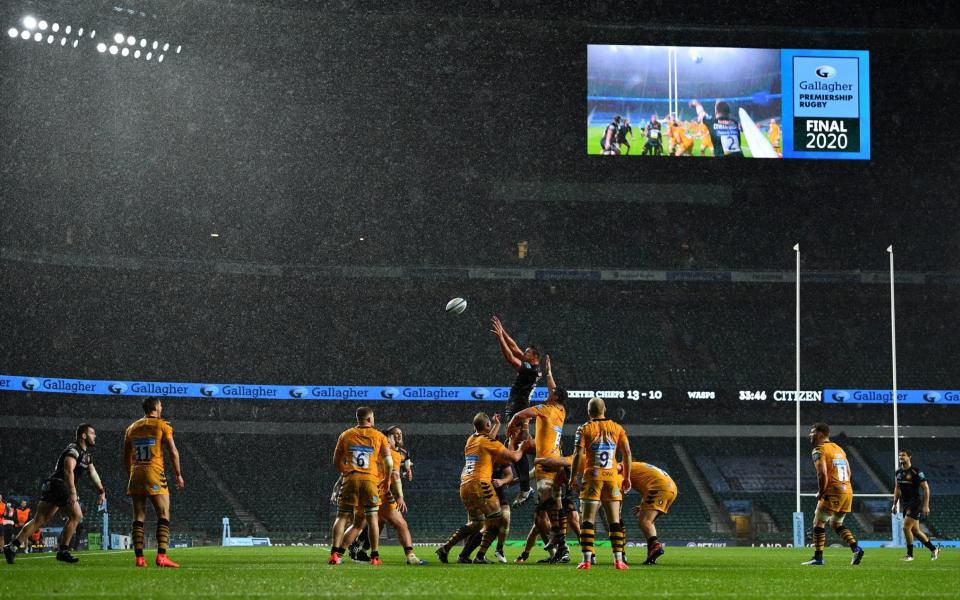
751	102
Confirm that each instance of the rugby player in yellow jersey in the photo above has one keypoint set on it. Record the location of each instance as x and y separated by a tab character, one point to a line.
550	417
392	504
657	493
143	445
774	134
360	452
834	494
476	486
706	141
682	143
597	443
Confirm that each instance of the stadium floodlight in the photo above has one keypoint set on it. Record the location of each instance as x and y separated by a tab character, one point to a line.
25	34
37	37
149	55
67	29
125	52
143	42
178	49
80	31
63	41
42	25
50	39
29	22
101	47
131	41
12	32
113	50
160	58
93	34
55	27
75	42
118	38
155	44
136	54
166	47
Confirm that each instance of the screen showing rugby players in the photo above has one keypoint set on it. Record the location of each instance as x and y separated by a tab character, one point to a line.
679	101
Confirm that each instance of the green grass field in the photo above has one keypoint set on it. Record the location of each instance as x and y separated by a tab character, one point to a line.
595	132
301	572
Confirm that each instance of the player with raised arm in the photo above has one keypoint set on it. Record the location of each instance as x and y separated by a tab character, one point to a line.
143	445
597	443
359	453
480	454
724	130
59	493
834	494
910	482
657	494
527	365
550	417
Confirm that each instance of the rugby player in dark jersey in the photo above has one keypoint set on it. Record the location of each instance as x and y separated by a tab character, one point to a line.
724	130
653	132
910	482
59	493
527	364
608	143
622	132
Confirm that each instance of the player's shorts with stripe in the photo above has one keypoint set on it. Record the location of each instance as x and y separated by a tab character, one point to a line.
913	509
147	480
838	499
477	497
660	500
358	492
601	491
54	491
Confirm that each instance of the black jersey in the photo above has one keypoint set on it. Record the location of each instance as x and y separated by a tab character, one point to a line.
725	135
622	132
611	130
84	460
652	131
527	377
909	481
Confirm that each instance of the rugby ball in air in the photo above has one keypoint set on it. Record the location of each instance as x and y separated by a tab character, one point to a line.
456	306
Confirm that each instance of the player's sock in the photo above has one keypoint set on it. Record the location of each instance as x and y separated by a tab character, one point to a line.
489	534
586	540
471	544
847	537
909	549
459	535
407	550
338	550
163	535
928	544
618	540
563	524
137	536
15	544
651	542
819	541
554	514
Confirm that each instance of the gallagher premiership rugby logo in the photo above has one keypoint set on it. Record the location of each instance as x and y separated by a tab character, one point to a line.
209	390
117	387
825	72
480	393
389	393
841	396
298	392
